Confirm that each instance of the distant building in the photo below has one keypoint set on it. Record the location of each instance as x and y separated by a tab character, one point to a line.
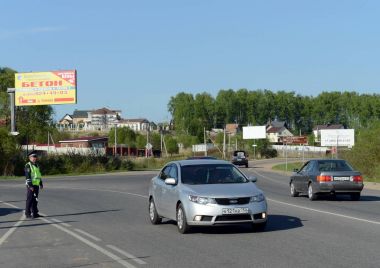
317	130
276	130
85	142
66	120
82	117
135	124
232	129
105	118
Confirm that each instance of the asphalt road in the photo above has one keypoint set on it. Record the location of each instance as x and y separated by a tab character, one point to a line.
102	221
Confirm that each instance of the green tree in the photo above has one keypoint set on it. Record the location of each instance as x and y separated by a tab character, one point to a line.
181	107
172	145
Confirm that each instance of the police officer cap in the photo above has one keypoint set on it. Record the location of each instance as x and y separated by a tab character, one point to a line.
33	153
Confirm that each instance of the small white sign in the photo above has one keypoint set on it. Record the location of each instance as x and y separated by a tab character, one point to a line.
338	137
148	146
202	147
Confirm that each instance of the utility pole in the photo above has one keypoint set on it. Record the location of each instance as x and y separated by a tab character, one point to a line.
161	141
204	134
115	140
224	143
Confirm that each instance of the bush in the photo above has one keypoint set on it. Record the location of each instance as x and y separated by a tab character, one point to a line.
365	156
268	153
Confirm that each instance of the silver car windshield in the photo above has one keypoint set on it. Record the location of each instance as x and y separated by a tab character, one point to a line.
211	174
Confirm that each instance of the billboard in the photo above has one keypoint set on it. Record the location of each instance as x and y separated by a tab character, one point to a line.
45	88
338	137
256	132
295	140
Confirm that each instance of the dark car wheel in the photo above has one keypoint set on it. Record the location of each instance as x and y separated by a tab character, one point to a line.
310	192
246	165
293	191
355	197
182	225
153	216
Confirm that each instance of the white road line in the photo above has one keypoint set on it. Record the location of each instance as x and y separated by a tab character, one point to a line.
11	230
126	254
60	222
88	235
91	244
10	205
324	212
268	178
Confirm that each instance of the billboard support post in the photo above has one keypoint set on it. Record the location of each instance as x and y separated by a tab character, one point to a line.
11	92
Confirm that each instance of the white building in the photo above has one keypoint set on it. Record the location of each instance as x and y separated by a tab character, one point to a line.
135	124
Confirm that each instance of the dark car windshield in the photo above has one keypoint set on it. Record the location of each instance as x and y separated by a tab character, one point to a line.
211	174
334	165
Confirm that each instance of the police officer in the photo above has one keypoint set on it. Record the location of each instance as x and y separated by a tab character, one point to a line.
33	184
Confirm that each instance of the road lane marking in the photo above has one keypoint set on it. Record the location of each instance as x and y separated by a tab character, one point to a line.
11	230
324	212
58	224
91	244
59	221
88	235
268	178
9	204
126	254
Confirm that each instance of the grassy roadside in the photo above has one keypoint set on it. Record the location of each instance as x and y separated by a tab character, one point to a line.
137	164
290	167
298	165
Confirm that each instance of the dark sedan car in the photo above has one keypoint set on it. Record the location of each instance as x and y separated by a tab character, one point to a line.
326	176
240	158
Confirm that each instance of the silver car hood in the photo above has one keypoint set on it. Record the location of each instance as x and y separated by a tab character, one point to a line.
222	190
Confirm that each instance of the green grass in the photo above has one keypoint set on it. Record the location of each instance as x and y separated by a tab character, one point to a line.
291	166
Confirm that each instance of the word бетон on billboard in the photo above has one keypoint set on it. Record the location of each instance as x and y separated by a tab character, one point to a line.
45	88
254	132
338	137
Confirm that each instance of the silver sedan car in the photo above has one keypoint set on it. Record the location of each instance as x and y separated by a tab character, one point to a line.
206	192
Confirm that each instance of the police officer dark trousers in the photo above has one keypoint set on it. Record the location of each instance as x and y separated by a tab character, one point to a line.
33	184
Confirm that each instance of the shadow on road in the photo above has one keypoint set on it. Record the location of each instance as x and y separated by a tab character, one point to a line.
275	223
13	201
84	213
31	223
6	211
345	198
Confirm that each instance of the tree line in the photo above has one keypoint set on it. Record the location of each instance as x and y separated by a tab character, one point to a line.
191	113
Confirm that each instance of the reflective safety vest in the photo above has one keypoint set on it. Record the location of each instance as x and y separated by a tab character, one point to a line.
35	174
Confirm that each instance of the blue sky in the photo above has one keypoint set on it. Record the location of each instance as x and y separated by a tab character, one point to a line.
135	55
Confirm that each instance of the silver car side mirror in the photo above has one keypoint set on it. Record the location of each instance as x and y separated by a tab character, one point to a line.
252	178
170	181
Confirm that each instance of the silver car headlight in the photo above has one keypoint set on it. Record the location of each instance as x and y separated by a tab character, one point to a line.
257	198
201	200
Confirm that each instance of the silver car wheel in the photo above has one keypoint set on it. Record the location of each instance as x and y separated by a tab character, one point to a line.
151	210
180	218
310	192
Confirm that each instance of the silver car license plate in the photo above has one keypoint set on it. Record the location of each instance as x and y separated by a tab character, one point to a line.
341	178
229	211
